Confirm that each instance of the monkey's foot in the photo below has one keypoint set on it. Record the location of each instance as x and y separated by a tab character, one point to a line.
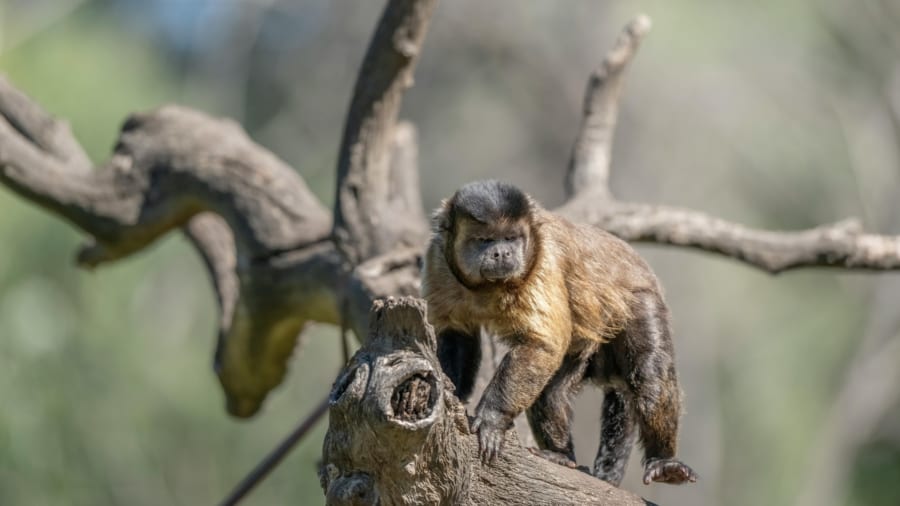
671	471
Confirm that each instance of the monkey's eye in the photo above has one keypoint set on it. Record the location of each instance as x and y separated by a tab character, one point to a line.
483	240
511	238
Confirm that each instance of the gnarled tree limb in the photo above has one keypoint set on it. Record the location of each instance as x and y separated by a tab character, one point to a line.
267	245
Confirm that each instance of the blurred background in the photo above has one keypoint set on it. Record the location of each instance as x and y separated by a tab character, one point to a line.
779	114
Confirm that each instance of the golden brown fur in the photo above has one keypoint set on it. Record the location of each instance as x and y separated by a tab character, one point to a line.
573	303
596	274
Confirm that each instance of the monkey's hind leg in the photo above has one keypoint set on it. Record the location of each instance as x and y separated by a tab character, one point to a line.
616	437
650	374
460	356
550	416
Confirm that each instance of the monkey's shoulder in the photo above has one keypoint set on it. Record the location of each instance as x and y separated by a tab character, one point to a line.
589	253
602	274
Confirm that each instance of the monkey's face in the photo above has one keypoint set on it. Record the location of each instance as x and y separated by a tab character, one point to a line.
496	253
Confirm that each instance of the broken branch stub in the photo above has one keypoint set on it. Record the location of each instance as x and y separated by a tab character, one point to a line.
398	435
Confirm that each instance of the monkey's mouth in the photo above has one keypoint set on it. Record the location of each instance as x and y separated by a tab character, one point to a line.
498	274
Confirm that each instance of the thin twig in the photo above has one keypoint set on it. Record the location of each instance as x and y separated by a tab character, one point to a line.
275	457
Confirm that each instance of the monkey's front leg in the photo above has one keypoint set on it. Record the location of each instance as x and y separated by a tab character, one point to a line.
460	356
518	381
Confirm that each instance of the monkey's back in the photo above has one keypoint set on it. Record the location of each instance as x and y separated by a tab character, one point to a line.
602	274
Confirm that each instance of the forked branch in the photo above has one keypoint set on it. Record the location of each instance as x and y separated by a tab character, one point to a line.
842	244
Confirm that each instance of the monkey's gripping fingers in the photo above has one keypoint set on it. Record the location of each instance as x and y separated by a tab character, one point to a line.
671	471
491	428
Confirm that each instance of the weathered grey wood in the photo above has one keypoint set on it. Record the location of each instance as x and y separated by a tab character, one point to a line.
397	435
589	163
49	134
841	245
364	225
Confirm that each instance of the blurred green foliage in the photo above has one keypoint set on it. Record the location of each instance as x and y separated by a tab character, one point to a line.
106	383
877	460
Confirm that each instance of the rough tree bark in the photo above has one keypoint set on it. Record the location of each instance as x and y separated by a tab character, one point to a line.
398	435
279	259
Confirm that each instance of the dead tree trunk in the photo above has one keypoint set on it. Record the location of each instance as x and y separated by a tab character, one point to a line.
398	435
278	258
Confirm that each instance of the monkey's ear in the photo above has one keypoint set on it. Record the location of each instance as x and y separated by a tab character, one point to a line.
533	205
440	220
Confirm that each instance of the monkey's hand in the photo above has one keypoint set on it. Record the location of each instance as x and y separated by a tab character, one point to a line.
491	427
671	471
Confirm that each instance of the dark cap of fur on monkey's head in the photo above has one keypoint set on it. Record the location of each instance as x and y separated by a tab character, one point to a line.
490	201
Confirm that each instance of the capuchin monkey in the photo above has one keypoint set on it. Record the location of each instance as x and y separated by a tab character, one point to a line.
574	304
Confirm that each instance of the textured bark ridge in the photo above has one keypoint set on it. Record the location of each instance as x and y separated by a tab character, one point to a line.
278	258
398	435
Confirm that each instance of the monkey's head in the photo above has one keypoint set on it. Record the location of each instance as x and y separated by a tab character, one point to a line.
488	233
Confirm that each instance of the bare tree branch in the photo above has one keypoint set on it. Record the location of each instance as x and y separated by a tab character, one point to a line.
591	155
363	179
404	197
842	244
47	133
168	165
212	238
